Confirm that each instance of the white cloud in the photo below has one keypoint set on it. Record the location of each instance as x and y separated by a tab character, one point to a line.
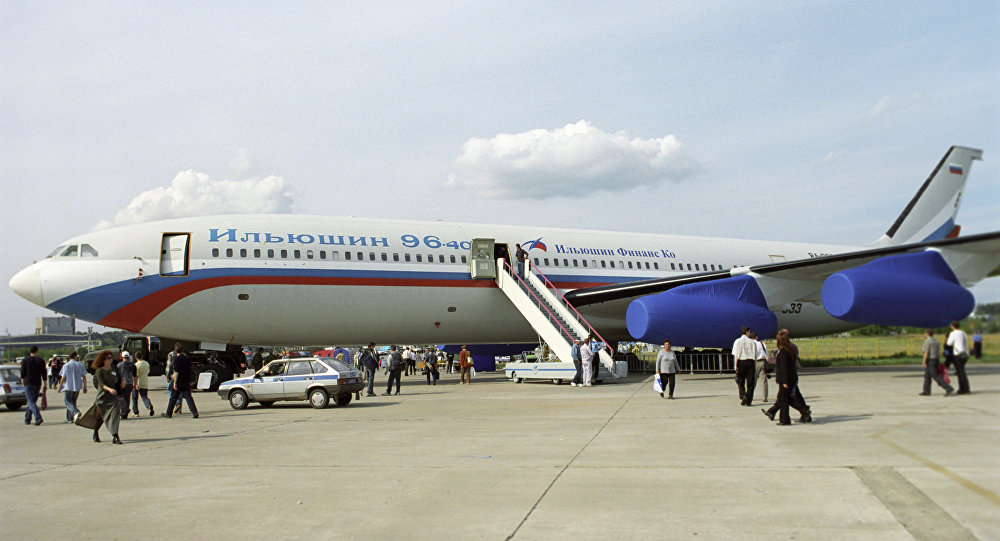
241	161
195	194
833	157
891	105
573	161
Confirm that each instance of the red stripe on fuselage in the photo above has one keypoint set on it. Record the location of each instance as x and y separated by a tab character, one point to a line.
135	316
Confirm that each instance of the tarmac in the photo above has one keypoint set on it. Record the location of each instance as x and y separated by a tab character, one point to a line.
497	460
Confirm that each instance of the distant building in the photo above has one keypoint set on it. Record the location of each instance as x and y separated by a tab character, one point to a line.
55	325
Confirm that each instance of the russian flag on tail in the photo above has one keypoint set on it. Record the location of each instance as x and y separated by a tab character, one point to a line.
955	169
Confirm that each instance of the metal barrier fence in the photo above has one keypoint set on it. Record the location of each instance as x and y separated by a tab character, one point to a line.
689	362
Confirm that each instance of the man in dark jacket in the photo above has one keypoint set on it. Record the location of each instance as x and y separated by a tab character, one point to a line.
181	382
396	365
32	376
369	361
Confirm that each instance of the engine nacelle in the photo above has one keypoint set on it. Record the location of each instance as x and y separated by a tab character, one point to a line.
707	314
913	290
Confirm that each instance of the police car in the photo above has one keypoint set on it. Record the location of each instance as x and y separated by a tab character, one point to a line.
11	391
315	379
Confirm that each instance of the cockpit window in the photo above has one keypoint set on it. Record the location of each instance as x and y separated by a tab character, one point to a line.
70	251
87	250
56	251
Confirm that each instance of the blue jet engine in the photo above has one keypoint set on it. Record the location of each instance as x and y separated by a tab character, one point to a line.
913	290
707	314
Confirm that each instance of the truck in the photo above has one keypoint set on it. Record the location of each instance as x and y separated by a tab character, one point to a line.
223	361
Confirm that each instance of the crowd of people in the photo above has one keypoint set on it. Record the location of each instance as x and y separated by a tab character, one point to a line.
121	386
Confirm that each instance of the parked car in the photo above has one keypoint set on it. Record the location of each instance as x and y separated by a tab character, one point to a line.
311	378
11	391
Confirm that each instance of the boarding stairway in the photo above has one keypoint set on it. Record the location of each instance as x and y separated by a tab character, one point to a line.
555	320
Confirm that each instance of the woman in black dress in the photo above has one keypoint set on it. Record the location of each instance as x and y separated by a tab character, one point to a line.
107	384
787	378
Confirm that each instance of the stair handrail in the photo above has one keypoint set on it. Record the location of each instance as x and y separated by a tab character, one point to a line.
541	302
579	316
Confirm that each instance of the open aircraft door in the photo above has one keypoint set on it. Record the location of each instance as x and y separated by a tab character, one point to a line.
174	259
483	264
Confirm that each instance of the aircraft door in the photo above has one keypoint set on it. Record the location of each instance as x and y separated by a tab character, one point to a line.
174	254
483	264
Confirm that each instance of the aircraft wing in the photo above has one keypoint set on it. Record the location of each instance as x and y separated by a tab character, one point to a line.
971	258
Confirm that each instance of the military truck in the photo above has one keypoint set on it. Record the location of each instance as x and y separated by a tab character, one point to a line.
223	361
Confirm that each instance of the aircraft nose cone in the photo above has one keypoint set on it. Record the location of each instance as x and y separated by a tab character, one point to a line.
28	285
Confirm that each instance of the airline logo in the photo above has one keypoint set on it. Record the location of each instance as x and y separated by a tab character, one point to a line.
537	243
955	169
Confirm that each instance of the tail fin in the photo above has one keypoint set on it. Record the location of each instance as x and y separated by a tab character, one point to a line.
931	213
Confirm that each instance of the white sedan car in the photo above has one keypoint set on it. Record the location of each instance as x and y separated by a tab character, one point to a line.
314	379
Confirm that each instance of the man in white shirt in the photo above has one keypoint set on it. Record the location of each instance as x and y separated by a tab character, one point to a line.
744	355
141	388
960	354
587	357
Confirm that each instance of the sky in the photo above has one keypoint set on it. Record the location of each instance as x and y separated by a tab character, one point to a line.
661	117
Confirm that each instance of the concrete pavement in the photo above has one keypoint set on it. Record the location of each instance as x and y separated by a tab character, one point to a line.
498	460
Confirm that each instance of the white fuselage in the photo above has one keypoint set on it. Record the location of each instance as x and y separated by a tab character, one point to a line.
286	279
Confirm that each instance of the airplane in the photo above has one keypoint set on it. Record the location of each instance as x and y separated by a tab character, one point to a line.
292	279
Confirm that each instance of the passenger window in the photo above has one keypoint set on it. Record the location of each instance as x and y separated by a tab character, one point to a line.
270	253
621	265
87	250
406	257
464	260
656	265
630	264
584	263
565	262
536	261
452	259
546	260
371	256
322	254
335	256
604	264
395	257
70	251
215	252
361	256
347	256
256	253
229	252
441	258
309	254
575	263
430	258
298	368
713	267
284	254
297	254
317	367
243	252
555	262
689	266
612	264
419	260
647	265
696	267
672	267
